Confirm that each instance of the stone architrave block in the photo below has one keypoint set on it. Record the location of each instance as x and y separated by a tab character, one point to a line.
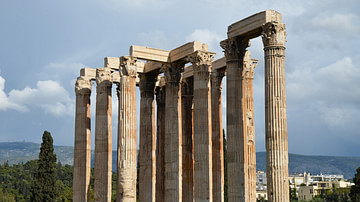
151	54
151	66
188	72
186	50
219	63
251	27
112	62
88	73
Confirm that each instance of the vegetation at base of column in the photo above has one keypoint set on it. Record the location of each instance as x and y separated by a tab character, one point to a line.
43	186
355	189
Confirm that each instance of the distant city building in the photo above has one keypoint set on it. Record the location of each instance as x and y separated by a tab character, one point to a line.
307	186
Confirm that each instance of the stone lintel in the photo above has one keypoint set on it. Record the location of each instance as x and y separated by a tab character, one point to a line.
251	27
187	49
219	63
88	73
151	54
152	66
164	56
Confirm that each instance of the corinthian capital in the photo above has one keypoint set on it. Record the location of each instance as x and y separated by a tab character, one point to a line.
200	58
147	84
216	79
83	86
234	48
103	76
172	72
273	34
128	66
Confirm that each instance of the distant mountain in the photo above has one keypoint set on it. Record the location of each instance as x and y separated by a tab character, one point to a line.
17	152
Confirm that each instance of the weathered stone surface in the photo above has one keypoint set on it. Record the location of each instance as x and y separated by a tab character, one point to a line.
147	138
88	73
103	136
82	147
127	141
160	144
274	38
164	56
112	62
249	123
202	126
251	27
217	135
151	54
173	133
187	137
234	50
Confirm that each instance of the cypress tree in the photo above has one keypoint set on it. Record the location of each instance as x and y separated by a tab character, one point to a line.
355	189
44	185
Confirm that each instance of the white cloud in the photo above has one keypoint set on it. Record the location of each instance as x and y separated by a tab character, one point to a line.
48	95
5	103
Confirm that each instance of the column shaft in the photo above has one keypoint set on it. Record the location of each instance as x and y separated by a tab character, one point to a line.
217	136
236	149
249	124
127	141
82	147
103	136
275	113
160	145
202	126
173	136
187	135
147	138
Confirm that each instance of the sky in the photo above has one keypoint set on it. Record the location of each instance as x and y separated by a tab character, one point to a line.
44	44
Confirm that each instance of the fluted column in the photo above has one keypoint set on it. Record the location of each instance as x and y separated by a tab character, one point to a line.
160	145
217	136
173	132
274	38
103	136
82	147
127	142
147	138
234	50
202	126
249	124
187	136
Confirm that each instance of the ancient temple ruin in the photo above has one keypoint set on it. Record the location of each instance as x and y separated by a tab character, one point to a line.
181	149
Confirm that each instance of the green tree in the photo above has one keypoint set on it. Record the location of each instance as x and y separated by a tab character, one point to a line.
355	189
43	187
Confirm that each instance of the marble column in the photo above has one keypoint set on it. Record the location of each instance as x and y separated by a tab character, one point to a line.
127	141
147	138
103	136
202	126
82	149
249	124
217	135
173	132
274	38
160	144
237	167
187	136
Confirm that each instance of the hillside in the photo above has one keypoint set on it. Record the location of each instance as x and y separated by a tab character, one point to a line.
16	152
